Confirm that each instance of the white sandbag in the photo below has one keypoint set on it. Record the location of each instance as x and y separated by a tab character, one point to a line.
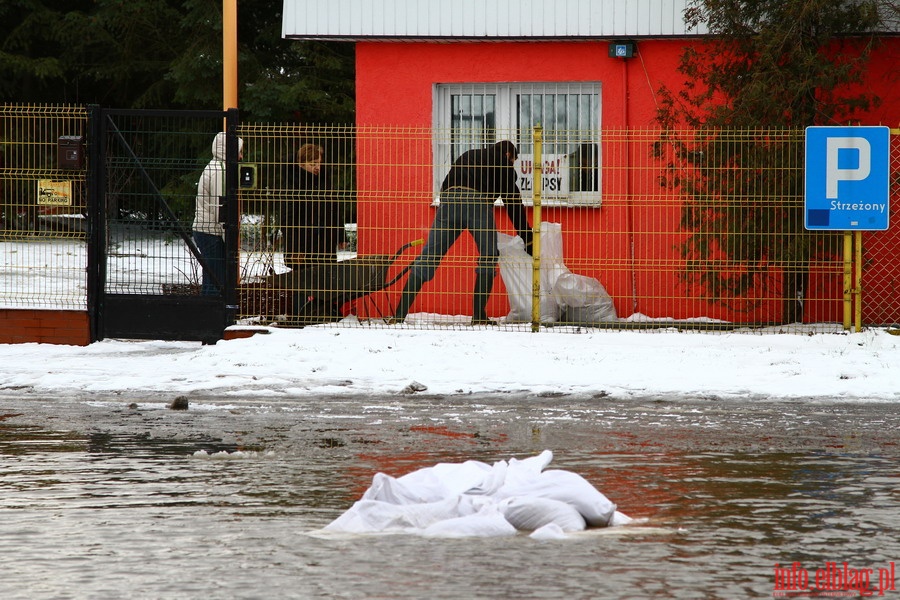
619	519
552	258
492	481
583	300
550	531
533	464
374	516
528	513
477	499
487	523
568	487
572	289
447	479
516	270
389	489
527	469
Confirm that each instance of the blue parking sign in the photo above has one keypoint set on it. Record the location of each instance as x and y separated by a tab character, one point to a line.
847	178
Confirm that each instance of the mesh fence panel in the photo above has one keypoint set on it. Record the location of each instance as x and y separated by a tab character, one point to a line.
153	164
43	254
641	228
880	269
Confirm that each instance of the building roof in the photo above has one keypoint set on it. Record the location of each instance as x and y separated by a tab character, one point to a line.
353	20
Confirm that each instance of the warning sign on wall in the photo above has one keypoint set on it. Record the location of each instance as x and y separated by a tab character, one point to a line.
54	193
555	174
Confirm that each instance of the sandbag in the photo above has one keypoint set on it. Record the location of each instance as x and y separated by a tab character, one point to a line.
529	514
480	500
375	516
550	531
385	488
516	270
583	300
447	479
488	523
567	487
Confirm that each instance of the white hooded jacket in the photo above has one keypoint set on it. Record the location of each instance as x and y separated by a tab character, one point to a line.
210	188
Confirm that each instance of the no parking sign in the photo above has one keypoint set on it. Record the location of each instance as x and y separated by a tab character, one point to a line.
847	178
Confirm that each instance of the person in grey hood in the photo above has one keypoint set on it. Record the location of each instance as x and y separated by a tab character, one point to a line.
208	231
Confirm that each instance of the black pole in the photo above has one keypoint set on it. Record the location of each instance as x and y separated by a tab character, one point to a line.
96	219
232	216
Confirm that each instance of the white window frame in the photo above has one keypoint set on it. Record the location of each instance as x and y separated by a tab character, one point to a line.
506	126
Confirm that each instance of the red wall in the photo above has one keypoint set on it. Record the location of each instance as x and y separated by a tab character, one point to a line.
44	326
393	80
395	90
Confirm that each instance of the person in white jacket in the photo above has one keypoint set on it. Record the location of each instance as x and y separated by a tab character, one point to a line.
208	231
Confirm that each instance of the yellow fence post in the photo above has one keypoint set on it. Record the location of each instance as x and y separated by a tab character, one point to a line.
848	279
537	184
229	55
857	283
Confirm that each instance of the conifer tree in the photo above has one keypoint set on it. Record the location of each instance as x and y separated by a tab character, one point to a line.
733	141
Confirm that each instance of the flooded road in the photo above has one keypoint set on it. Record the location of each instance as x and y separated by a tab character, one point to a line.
126	498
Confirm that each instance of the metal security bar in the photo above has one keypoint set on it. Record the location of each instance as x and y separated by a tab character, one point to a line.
42	207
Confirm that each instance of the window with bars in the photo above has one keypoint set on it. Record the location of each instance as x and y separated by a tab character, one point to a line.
470	116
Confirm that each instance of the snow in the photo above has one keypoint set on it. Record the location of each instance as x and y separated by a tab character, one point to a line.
355	359
437	355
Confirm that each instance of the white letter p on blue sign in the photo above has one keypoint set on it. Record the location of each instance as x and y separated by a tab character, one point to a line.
833	170
847	178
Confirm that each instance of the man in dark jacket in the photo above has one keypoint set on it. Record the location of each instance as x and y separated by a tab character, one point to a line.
476	179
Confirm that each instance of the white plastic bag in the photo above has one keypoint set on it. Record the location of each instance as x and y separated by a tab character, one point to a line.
583	300
516	268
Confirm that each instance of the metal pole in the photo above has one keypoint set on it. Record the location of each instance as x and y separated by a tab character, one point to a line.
848	278
537	184
96	199
229	55
232	218
857	284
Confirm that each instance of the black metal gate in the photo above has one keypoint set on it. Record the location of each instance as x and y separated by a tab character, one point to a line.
144	268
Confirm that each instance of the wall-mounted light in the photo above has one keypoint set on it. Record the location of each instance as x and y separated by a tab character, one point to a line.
621	49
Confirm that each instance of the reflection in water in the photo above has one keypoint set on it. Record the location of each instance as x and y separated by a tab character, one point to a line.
100	502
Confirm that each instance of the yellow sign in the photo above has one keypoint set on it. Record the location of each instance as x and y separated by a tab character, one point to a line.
54	193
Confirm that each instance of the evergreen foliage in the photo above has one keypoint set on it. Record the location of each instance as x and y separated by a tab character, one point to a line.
771	68
168	54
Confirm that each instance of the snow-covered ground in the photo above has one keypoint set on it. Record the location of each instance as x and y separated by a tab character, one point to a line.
353	358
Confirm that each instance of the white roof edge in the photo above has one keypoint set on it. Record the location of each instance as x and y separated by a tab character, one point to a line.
484	20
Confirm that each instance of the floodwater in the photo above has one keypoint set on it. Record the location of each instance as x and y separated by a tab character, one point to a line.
734	499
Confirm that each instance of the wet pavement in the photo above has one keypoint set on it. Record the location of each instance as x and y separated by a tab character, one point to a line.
104	497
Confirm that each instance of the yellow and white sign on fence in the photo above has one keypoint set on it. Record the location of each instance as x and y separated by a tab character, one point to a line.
54	193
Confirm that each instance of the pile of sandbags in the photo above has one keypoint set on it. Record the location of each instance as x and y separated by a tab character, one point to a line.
565	297
477	499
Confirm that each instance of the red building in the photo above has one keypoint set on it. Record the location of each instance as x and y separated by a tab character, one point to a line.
452	75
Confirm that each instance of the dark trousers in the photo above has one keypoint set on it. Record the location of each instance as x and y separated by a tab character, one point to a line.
212	248
461	209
